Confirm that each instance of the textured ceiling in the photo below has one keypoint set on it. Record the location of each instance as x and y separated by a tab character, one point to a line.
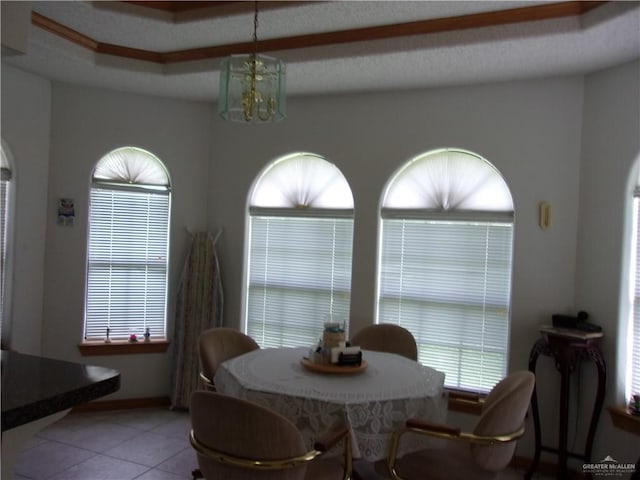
605	36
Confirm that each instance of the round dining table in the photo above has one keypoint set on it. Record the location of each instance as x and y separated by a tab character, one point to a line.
374	401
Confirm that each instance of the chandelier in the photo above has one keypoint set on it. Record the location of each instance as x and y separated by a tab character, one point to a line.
252	87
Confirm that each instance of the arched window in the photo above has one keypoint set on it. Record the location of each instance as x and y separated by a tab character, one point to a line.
128	247
300	239
444	269
5	200
633	335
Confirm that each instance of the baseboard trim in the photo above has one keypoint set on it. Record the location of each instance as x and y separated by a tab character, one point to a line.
122	404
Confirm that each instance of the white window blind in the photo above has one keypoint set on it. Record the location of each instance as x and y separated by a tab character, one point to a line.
299	247
634	362
445	264
5	178
448	282
127	268
128	246
299	277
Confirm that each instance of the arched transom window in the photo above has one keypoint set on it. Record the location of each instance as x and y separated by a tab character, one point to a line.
445	259
300	236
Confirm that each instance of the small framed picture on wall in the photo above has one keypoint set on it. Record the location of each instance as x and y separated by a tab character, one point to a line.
66	212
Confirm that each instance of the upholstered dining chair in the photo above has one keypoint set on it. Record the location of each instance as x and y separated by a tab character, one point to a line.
241	440
481	454
218	344
387	337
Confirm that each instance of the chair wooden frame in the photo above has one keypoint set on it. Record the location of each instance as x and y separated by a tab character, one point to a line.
446	432
321	446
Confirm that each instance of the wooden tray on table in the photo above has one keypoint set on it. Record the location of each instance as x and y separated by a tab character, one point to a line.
330	368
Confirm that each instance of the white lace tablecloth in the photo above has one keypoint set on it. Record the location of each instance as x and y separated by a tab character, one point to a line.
374	402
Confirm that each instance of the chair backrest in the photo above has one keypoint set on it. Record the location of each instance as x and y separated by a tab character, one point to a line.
243	429
219	344
387	337
503	412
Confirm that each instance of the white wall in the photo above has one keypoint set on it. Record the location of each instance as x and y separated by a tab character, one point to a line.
86	124
531	131
26	117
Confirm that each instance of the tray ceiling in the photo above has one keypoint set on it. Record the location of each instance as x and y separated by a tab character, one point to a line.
174	49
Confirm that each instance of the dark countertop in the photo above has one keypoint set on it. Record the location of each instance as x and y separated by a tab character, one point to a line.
35	387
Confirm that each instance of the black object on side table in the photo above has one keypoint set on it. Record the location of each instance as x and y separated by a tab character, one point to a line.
568	348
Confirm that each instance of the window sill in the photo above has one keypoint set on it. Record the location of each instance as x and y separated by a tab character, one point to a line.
624	420
122	347
465	402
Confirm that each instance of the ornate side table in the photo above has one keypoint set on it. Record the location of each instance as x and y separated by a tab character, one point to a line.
568	348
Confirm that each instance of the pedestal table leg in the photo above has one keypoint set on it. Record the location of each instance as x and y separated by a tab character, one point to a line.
565	371
596	355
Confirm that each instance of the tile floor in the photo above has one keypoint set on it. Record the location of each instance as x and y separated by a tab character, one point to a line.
141	444
365	471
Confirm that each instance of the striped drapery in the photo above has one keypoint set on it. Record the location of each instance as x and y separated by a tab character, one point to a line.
198	307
